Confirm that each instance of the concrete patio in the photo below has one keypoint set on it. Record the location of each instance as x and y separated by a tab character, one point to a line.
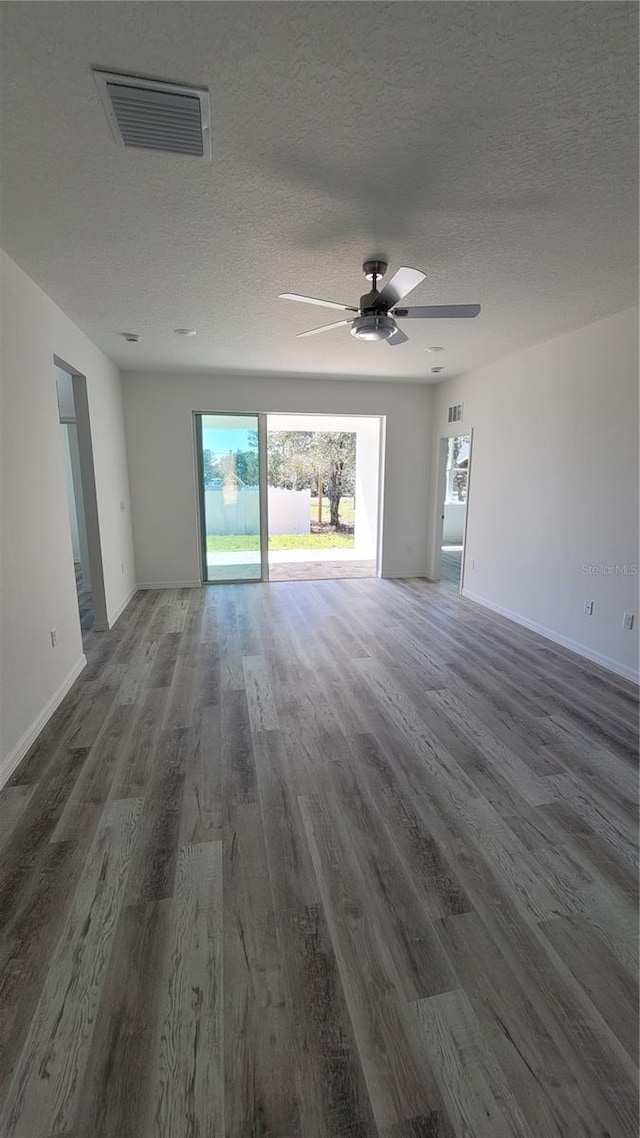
291	564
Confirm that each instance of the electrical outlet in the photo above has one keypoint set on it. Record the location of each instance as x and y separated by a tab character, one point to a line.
473	562
54	637
122	566
122	507
588	608
627	621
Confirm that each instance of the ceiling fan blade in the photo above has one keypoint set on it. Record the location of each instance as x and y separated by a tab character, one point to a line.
314	300
325	328
397	338
438	312
400	284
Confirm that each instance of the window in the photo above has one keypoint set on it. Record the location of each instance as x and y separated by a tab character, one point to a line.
457	469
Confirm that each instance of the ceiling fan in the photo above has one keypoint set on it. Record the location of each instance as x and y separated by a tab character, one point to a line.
375	319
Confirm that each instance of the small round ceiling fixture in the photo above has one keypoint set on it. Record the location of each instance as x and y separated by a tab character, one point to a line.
437	370
131	337
185	331
434	348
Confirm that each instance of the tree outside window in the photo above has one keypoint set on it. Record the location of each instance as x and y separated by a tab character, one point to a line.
457	469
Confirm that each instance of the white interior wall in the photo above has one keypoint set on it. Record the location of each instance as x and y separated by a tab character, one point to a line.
38	582
160	444
554	486
367	488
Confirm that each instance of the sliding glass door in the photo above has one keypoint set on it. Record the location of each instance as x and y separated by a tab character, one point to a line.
230	475
288	497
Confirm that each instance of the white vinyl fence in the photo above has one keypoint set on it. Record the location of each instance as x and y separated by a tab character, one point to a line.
289	511
231	511
453	529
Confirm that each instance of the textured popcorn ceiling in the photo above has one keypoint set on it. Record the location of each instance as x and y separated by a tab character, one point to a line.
492	145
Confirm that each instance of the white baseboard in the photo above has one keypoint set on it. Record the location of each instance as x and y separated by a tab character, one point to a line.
403	575
169	585
17	753
114	616
563	641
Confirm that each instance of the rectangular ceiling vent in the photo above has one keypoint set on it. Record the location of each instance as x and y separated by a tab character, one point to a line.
146	114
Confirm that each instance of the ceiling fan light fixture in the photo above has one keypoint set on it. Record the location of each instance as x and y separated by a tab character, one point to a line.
375	326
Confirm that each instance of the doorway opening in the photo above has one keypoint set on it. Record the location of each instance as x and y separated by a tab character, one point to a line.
454	514
323	475
288	497
73	413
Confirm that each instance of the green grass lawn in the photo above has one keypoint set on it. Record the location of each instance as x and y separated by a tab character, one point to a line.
346	513
237	543
233	543
311	541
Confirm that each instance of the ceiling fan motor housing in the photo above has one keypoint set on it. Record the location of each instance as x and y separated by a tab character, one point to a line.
369	301
375	269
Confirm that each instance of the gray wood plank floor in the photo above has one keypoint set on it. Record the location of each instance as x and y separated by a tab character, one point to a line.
323	860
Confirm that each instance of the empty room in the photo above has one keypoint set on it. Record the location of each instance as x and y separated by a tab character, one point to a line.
319	569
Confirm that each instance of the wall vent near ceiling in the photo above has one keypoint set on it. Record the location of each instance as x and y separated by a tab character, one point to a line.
455	413
146	114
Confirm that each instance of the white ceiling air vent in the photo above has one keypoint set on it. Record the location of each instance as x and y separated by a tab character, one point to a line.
150	115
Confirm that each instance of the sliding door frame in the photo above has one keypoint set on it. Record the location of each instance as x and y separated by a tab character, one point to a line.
263	488
263	505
